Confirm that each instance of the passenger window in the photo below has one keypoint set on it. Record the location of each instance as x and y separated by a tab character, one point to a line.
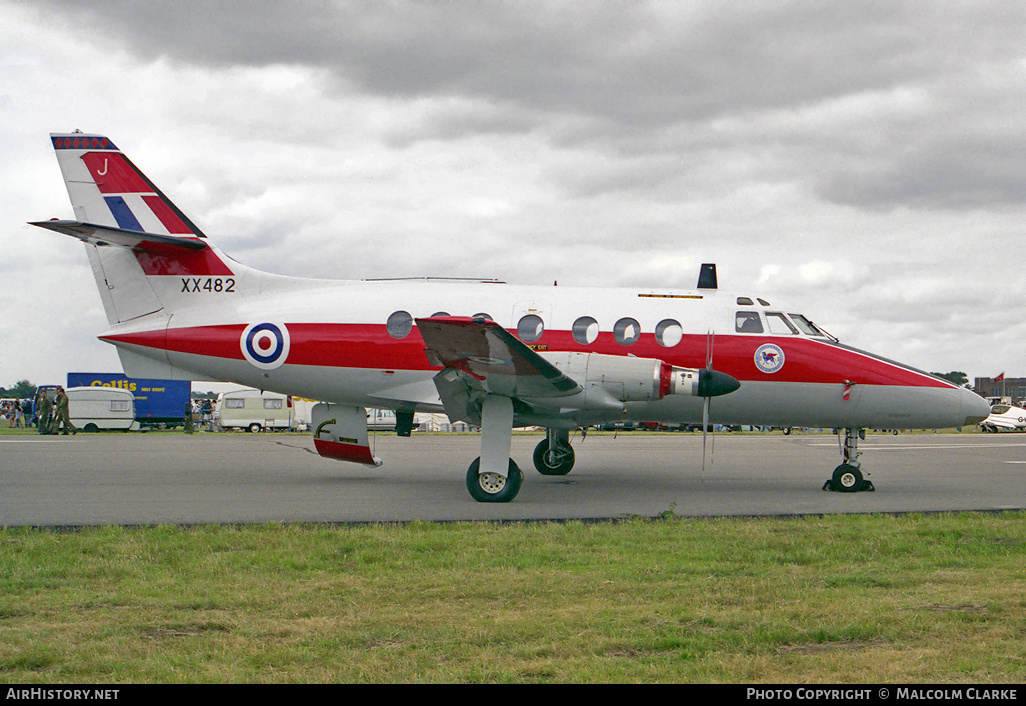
439	313
747	322
585	330
669	333
778	324
530	328
482	316
399	324
627	331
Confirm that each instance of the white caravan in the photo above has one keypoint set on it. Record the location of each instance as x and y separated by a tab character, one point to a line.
95	408
254	410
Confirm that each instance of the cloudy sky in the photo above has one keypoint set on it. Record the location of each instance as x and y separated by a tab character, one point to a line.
863	160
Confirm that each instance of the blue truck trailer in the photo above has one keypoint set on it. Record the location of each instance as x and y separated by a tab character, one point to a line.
157	402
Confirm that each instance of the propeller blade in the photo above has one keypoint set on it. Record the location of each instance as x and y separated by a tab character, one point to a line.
703	376
705	430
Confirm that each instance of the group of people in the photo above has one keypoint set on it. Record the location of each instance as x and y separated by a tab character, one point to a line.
14	413
52	416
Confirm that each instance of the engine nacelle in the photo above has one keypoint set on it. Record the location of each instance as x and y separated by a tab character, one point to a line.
624	378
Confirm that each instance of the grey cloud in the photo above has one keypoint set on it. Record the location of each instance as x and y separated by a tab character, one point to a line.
649	62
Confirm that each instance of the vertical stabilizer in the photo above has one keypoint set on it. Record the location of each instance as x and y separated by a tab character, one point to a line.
113	199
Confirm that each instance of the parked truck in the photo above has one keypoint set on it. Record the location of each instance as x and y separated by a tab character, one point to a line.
157	402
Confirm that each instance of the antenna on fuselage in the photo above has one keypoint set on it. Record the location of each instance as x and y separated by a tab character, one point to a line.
707	276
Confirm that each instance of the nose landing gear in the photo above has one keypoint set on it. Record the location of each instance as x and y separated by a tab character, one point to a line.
848	478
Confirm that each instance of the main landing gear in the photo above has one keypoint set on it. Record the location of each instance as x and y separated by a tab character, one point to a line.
848	478
494	477
490	487
554	456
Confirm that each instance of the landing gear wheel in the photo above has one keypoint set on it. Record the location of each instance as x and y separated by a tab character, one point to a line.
564	462
491	487
848	479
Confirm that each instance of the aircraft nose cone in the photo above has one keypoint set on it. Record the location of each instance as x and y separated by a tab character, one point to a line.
976	407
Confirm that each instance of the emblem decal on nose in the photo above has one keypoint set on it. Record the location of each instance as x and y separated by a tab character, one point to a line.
265	345
769	358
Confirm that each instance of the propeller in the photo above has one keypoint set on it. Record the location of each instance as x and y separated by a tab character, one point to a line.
707	399
711	383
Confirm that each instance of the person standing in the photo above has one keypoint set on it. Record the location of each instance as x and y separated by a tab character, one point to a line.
63	419
42	412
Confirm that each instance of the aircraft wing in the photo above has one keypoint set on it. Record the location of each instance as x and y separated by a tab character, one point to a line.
480	357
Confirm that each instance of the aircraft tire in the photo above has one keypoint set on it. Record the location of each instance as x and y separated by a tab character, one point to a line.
565	465
492	488
847	479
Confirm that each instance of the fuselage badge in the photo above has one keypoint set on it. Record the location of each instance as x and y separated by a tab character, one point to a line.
769	358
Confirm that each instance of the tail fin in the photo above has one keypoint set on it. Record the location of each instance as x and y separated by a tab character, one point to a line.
107	189
156	246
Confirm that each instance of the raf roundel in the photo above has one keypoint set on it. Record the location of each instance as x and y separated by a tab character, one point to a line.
769	358
265	345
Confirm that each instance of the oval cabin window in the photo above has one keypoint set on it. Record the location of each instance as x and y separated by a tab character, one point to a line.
530	328
585	330
399	324
627	331
669	333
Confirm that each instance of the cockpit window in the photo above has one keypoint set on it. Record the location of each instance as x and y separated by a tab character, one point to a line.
778	324
807	327
744	301
999	409
747	322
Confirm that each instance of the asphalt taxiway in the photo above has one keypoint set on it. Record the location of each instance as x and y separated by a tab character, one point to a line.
174	478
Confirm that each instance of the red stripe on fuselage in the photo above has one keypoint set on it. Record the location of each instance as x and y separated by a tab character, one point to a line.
370	346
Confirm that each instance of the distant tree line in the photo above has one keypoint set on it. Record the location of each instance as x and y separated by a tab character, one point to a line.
22	389
955	376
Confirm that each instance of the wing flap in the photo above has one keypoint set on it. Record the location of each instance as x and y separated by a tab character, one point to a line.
489	359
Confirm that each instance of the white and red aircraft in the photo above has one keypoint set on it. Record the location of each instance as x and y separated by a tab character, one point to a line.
494	355
1005	417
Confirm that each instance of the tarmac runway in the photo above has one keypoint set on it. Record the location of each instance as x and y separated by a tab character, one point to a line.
174	478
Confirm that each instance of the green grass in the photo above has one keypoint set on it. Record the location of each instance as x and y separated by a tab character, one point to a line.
937	598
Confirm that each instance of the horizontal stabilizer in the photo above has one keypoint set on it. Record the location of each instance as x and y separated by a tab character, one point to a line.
106	235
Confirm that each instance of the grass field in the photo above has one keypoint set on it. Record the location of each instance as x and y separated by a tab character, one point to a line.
911	599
